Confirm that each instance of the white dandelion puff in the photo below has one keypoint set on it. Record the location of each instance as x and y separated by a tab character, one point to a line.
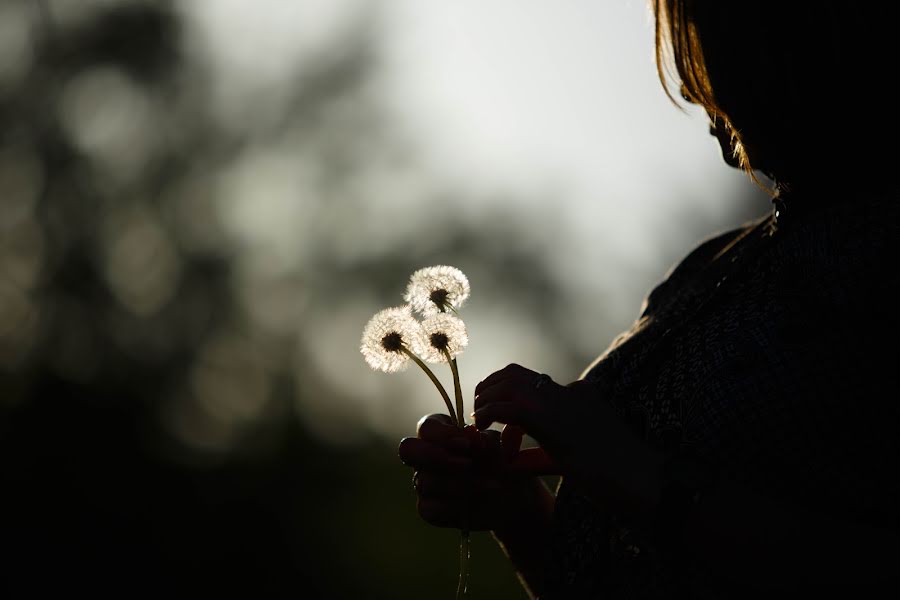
389	337
444	335
438	289
393	338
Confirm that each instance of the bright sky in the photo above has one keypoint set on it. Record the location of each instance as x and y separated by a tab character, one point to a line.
556	103
509	95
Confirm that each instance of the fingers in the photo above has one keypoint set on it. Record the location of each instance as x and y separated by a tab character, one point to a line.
439	429
452	449
534	461
511	370
510	413
456	501
440	498
513	401
436	428
438	513
431	485
523	382
421	454
511	440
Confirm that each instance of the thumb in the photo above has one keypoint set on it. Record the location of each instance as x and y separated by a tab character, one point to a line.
534	461
511	441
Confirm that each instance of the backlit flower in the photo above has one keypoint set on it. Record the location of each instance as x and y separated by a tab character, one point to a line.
438	289
386	337
443	333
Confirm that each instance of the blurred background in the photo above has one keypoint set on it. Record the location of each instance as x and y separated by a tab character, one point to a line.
203	202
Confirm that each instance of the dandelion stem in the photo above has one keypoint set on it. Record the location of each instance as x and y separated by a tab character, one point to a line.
465	535
457	389
434	380
464	538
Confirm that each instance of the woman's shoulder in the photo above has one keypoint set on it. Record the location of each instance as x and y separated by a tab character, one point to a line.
695	261
710	247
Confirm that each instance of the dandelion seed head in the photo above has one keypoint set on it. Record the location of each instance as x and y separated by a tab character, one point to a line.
435	290
392	342
439	297
439	340
443	332
387	334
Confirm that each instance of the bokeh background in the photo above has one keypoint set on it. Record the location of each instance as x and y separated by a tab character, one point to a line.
202	203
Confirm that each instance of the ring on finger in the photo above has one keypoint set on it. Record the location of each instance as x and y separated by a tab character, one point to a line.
542	380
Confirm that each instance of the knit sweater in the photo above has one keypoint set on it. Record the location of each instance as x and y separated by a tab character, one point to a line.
766	354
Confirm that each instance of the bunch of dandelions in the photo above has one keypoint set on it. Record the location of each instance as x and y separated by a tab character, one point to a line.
394	337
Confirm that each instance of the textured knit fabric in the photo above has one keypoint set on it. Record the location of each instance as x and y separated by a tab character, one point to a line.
766	354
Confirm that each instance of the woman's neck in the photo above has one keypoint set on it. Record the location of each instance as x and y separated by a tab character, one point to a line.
794	202
822	190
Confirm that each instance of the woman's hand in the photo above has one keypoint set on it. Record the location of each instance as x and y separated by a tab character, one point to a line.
479	480
580	433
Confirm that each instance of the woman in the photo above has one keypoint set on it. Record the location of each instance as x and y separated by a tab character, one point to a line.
740	437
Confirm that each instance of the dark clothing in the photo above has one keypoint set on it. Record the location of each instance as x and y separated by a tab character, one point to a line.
766	354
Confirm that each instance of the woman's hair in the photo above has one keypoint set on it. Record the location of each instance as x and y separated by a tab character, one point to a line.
678	45
796	82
